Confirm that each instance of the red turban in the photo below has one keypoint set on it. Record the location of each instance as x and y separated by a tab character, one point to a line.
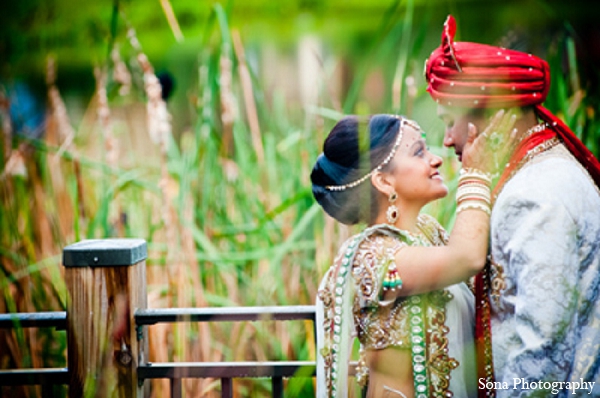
474	75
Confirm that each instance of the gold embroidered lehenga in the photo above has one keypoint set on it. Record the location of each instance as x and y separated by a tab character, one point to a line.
349	305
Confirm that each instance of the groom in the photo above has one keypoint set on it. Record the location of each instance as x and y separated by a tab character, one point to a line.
538	304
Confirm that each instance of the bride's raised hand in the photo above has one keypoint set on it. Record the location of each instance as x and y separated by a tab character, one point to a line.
489	150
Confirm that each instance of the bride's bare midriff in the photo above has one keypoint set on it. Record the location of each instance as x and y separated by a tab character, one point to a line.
389	367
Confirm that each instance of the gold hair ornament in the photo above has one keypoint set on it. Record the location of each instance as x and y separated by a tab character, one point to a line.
387	160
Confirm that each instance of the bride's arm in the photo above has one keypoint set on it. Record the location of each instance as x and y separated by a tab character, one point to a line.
425	269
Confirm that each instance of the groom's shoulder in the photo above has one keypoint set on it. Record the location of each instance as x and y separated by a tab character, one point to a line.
554	170
552	175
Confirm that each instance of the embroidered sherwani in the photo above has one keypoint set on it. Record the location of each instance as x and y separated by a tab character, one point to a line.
545	277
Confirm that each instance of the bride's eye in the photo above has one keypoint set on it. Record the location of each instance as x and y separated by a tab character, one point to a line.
420	151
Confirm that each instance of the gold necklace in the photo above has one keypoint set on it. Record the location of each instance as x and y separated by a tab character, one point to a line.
538	128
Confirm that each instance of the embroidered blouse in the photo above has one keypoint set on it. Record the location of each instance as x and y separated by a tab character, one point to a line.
378	324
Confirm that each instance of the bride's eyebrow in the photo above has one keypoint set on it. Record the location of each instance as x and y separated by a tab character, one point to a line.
420	142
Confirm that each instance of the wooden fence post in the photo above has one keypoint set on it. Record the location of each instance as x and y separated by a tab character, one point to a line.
106	281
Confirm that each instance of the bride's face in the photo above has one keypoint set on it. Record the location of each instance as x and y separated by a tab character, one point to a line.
415	170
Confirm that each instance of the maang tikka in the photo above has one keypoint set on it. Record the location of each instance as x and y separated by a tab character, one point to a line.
392	211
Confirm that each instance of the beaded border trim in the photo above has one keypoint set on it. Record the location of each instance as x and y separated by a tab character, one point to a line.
417	323
388	159
337	309
418	349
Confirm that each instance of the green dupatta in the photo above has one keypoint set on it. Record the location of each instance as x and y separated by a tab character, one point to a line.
335	330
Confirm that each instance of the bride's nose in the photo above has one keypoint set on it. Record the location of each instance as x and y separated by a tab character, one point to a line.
436	161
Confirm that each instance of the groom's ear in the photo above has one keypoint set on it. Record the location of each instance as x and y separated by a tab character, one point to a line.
383	182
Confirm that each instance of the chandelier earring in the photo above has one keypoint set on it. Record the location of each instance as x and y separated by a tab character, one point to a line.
392	211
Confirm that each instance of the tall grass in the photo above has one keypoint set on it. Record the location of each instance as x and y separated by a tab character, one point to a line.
226	207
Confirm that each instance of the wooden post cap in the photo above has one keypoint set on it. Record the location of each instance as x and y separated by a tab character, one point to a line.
105	253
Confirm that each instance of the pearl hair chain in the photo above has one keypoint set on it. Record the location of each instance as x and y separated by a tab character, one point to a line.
387	160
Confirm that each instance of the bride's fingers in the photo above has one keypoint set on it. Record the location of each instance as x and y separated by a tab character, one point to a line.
512	141
507	127
494	125
496	121
501	126
508	122
471	132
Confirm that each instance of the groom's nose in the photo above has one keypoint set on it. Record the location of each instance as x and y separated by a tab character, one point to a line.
448	138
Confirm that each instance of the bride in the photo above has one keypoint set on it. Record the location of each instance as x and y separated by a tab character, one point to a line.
399	285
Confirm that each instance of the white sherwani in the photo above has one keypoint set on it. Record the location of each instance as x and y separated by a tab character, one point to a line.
545	304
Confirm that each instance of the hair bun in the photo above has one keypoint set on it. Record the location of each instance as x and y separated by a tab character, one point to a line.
340	164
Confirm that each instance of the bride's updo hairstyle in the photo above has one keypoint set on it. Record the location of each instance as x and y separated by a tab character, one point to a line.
354	149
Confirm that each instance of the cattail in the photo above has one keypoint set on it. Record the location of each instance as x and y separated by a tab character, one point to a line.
228	105
15	165
159	129
66	133
159	119
120	72
110	143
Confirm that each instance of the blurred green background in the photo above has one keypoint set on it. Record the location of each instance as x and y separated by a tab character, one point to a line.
216	178
80	35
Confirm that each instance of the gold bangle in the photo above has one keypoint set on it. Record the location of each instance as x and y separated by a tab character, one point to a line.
475	174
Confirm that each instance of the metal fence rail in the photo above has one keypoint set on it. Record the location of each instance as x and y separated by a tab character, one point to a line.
223	314
175	372
226	371
47	378
57	319
98	272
